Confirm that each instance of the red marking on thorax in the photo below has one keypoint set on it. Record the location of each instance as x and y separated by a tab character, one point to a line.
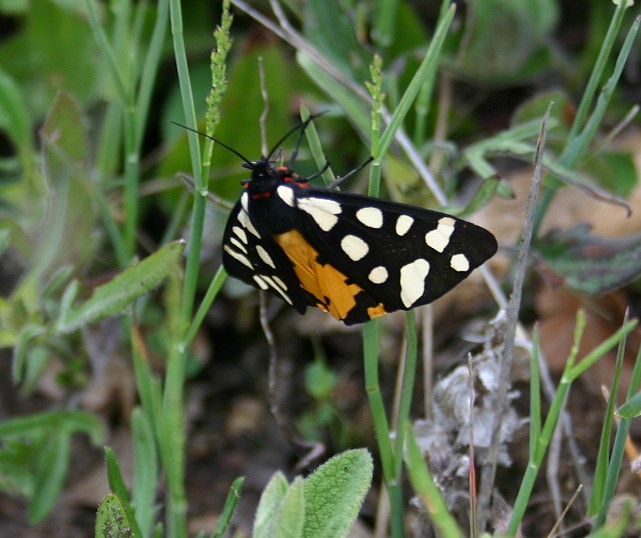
299	182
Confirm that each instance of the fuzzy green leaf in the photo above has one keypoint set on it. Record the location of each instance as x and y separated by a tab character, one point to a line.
119	488
111	298
290	519
111	520
270	502
334	494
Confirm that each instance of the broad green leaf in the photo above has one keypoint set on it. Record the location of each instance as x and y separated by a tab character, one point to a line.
511	45
331	29
44	57
112	520
16	466
481	198
64	134
404	184
324	504
412	30
15	120
334	494
613	171
51	471
534	109
22	346
291	515
39	358
269	504
68	421
588	263
113	297
518	141
66	234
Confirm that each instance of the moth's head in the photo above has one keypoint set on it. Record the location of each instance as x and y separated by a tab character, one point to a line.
260	169
264	177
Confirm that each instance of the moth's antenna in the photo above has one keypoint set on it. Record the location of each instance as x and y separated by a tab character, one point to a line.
302	126
229	148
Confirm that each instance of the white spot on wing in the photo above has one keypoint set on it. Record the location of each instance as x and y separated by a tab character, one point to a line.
321	210
439	239
277	288
244	201
240	233
371	217
238	244
413	281
403	225
260	281
286	194
238	256
243	218
354	247
459	262
280	282
264	255
378	275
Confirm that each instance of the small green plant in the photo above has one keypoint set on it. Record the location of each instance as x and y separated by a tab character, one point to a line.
325	504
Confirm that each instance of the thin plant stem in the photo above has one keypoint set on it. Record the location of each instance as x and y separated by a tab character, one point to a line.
489	469
381	425
407	390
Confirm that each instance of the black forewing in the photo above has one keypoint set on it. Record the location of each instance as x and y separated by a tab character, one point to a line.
236	249
388	249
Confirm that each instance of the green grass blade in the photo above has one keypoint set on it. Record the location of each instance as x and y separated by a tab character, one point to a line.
230	505
424	74
535	391
145	472
407	389
427	491
212	292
